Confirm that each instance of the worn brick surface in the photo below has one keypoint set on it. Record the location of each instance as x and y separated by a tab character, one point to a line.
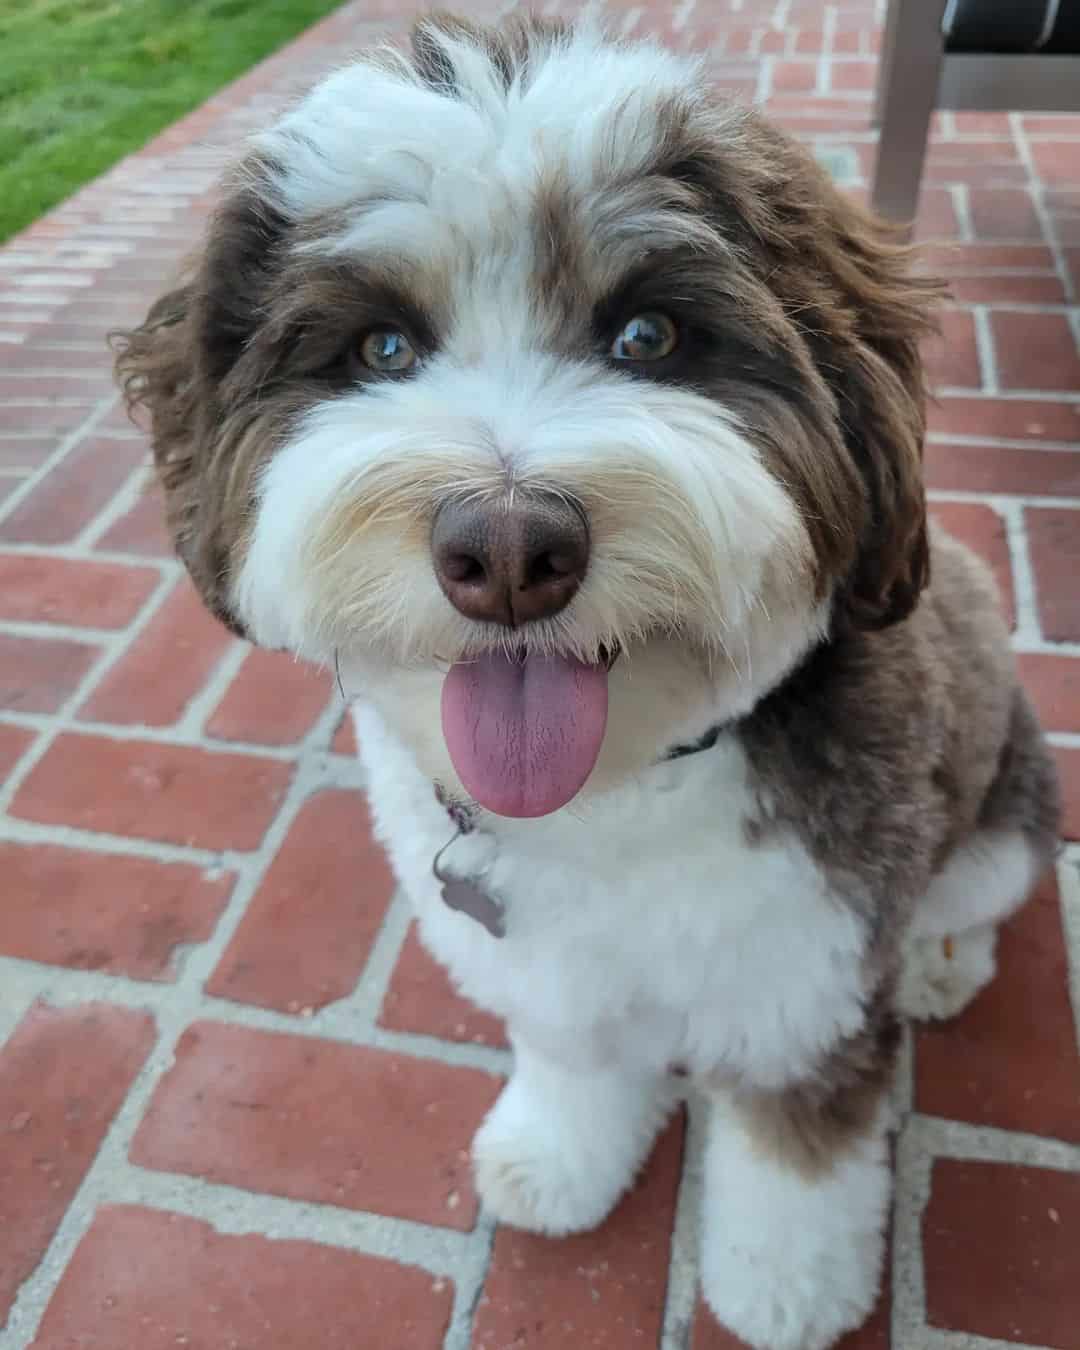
308	932
319	1079
164	668
983	530
1000	1247
283	1114
603	1291
422	998
1054	541
38	675
13	742
130	1284
1010	1059
141	528
273	700
177	794
100	911
70	497
64	1073
36	589
1054	684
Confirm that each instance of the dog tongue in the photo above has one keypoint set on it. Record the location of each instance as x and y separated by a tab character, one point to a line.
524	735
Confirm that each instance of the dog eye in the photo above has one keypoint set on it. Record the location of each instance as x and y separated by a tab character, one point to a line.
387	350
647	337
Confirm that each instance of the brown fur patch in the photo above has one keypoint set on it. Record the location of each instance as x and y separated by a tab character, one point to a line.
810	1126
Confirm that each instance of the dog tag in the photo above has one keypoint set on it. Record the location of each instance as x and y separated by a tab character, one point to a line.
468	898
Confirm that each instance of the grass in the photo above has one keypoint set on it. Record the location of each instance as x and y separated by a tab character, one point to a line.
83	82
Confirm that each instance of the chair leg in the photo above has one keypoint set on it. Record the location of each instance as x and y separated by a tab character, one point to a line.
885	61
907	103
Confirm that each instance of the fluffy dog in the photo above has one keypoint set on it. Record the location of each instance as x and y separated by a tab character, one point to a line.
578	418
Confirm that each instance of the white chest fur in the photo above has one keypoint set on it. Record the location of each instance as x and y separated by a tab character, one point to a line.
645	927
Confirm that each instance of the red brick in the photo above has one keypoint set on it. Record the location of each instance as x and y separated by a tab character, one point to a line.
273	700
1068	762
72	494
13	742
307	935
982	529
141	530
981	124
165	667
1054	545
422	999
794	77
1003	213
597	1291
174	793
38	589
40	674
937	215
853	76
1057	163
1050	124
344	742
42	419
155	1280
1010	1059
1035	351
1054	684
63	1075
26	452
995	290
320	1121
78	385
1007	419
1000	1247
972	259
1072	265
99	911
990	468
953	358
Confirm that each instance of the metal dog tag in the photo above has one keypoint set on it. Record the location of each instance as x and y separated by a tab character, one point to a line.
468	898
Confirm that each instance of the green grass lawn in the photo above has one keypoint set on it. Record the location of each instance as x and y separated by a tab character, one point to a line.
82	82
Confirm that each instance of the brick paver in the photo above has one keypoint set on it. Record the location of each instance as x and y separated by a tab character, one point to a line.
236	1096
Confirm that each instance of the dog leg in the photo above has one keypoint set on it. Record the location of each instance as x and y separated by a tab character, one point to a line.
560	1147
797	1191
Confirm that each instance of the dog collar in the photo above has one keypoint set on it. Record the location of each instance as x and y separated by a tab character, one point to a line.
468	895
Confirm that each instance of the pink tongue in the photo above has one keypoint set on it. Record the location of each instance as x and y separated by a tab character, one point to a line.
524	735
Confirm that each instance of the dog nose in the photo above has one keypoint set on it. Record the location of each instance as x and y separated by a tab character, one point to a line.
509	563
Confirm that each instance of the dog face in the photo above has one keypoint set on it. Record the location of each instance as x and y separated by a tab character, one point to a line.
564	405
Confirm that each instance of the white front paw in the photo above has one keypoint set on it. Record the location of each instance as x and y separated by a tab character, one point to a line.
531	1172
940	976
774	1307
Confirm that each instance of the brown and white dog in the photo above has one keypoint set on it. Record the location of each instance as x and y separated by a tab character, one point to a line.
576	415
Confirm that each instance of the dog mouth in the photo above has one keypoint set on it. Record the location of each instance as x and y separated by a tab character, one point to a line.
524	729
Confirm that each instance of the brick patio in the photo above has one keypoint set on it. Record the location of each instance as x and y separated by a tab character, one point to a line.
235	1096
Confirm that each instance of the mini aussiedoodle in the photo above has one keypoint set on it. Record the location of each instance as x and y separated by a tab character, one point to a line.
577	418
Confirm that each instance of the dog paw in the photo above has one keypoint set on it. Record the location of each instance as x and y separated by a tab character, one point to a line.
531	1172
940	976
771	1303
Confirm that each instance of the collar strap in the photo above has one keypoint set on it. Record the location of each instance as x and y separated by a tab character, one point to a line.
705	742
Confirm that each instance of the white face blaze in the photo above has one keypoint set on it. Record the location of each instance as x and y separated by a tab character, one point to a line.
700	571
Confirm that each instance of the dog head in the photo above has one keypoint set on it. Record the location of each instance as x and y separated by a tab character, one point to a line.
565	404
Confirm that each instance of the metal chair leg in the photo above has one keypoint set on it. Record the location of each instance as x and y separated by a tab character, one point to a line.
909	96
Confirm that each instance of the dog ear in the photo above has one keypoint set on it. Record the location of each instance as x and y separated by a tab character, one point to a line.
850	296
873	364
175	364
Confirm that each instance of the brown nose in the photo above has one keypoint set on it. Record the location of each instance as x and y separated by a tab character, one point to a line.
510	563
